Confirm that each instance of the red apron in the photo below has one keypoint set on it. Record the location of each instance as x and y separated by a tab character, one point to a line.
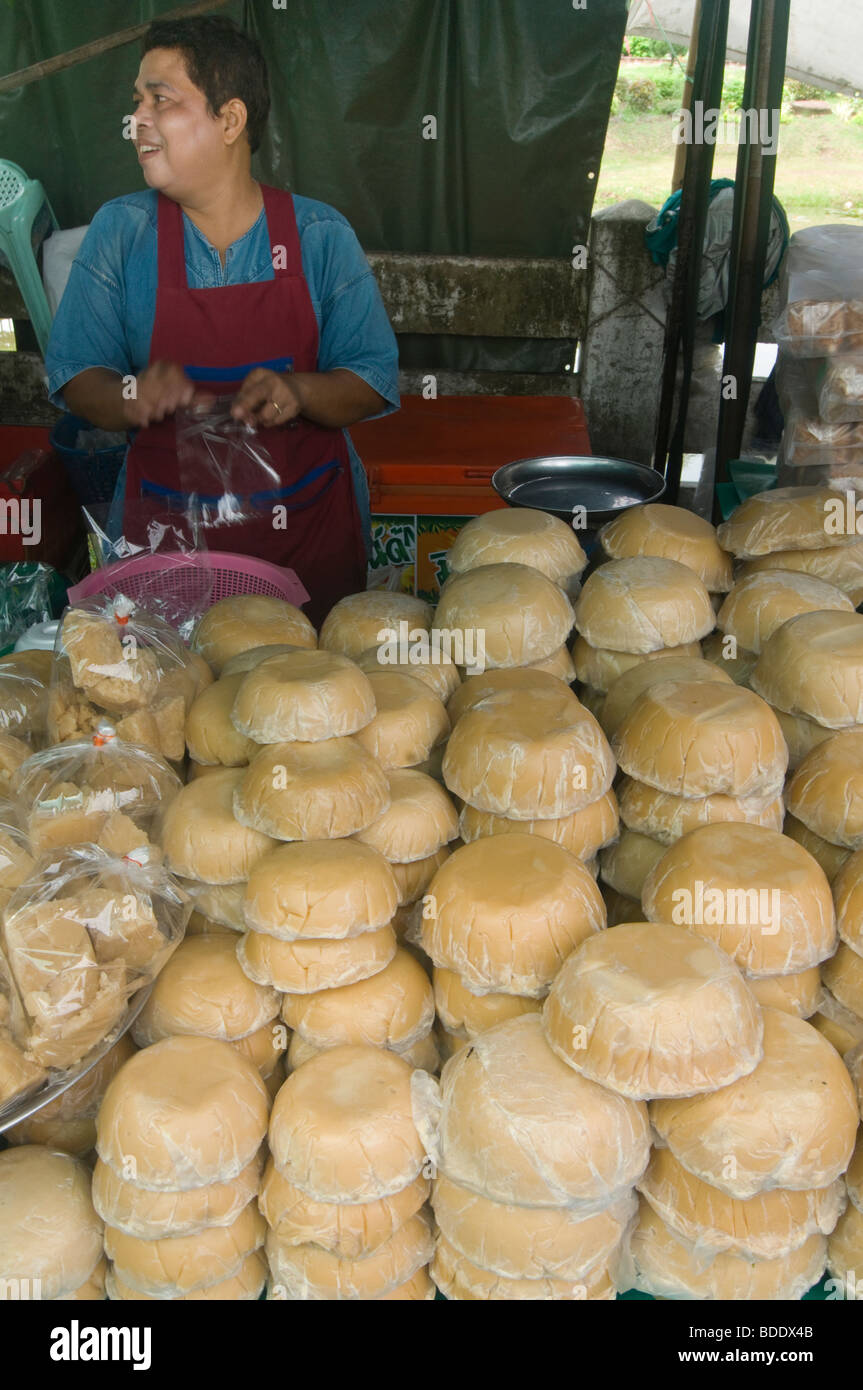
219	336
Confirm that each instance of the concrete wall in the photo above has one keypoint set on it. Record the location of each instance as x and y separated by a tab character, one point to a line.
621	356
619	317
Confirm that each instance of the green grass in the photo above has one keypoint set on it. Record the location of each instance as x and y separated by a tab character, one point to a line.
819	175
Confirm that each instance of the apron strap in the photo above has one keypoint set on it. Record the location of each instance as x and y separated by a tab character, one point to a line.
282	231
171	250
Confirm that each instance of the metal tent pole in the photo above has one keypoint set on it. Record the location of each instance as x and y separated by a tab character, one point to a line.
695	197
753	206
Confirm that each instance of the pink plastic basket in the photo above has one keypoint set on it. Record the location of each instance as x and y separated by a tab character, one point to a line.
183	577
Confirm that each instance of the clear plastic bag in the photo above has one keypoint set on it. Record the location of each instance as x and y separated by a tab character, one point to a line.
24	679
82	935
28	594
16	860
225	471
178	588
830	451
822	292
165	530
840	389
115	659
809	442
19	1076
98	790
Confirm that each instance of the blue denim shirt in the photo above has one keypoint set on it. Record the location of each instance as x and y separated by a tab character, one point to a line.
105	318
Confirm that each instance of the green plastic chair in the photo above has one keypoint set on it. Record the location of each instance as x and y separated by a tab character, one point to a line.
21	202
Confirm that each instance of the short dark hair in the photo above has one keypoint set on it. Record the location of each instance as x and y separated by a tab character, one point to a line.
223	61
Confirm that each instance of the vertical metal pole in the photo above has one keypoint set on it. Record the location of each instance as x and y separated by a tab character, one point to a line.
695	197
680	152
753	207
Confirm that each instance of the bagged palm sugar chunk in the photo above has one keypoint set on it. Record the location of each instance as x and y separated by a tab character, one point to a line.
643	604
672	533
505	911
82	935
529	755
306	695
69	794
244	621
344	1127
182	1114
519	615
365	620
311	791
794	1118
662	1264
68	1122
519	535
754	892
521	1127
50	1236
24	681
702	738
768	1226
648	1009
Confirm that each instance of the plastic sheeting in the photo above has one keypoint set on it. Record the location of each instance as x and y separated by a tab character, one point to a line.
825	41
520	91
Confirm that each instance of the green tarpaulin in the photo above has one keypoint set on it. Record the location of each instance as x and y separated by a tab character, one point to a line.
520	91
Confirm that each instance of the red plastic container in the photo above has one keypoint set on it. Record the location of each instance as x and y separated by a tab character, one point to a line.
430	467
437	457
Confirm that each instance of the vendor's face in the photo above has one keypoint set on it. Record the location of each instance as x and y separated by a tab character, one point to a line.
179	142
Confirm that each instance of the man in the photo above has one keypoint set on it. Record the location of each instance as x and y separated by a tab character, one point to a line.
211	284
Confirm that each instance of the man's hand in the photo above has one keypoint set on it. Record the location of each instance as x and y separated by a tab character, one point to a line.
267	398
160	390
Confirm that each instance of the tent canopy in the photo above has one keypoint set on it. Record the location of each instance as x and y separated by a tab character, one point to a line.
825	37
